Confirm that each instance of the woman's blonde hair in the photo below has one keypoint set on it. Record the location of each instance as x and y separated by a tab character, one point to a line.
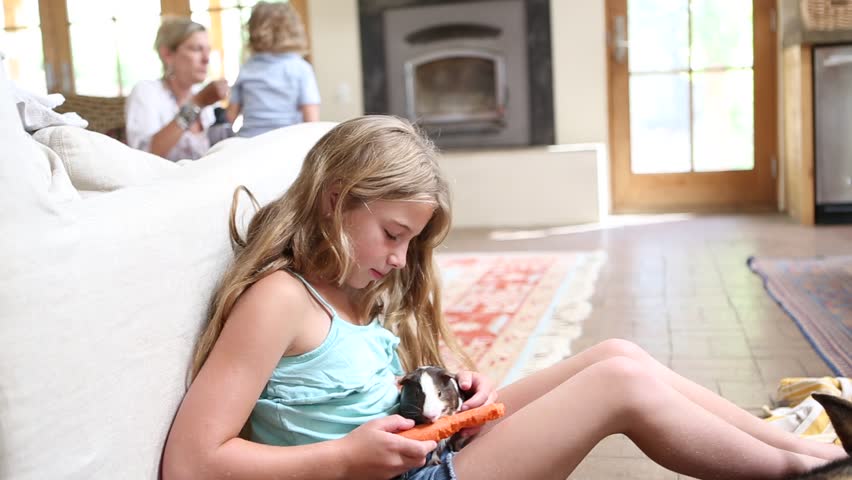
173	31
364	159
276	28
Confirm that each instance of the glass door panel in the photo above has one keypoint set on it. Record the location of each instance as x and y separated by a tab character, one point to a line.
659	123
723	121
721	34
659	35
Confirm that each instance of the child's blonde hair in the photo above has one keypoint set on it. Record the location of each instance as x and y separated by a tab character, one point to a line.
276	28
366	158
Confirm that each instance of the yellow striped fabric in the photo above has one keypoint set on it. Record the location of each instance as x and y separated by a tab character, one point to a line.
799	413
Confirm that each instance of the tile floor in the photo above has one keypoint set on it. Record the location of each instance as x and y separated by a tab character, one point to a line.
679	287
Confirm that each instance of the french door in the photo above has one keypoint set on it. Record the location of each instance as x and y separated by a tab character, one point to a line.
692	104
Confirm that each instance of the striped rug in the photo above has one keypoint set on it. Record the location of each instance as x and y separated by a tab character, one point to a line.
515	313
817	294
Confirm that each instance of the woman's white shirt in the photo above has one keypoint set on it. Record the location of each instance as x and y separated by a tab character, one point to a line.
150	107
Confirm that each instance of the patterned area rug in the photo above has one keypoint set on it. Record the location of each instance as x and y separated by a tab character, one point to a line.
515	313
817	293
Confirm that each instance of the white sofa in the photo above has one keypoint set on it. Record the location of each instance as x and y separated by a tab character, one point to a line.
108	257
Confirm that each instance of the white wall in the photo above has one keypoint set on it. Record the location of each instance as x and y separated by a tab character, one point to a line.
527	187
578	40
580	106
336	55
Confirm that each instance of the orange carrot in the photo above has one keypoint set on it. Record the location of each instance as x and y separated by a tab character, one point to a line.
446	426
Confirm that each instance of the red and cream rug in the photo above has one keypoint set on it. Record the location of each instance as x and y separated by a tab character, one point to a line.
515	313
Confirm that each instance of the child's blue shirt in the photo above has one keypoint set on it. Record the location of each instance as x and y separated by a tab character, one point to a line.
271	88
326	393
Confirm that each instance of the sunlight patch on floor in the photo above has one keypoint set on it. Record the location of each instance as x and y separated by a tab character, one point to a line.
609	222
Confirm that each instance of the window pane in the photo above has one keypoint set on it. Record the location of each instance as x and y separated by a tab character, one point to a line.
25	59
21	13
724	121
95	58
232	43
199	5
136	55
658	35
89	10
721	34
659	123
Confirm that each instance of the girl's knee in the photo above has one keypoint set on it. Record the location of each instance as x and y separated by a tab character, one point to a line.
622	370
618	347
632	389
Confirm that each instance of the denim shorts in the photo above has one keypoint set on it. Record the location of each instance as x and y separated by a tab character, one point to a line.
444	471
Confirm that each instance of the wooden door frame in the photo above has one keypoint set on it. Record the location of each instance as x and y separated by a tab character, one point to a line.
702	191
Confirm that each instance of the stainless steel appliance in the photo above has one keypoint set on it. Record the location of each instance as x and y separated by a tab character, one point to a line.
833	133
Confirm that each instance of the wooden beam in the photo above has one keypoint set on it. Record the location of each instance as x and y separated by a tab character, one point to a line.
301	6
175	7
56	44
799	133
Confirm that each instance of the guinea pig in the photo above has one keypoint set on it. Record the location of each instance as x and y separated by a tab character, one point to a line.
429	393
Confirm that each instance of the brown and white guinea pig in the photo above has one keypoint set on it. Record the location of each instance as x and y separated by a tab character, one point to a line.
429	393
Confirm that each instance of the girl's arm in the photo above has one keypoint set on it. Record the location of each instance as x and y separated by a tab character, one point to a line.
204	440
310	113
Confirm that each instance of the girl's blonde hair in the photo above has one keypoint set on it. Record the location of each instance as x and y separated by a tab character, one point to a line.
276	28
364	159
173	31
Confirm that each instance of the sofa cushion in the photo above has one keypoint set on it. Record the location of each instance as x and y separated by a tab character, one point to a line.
97	162
103	302
26	171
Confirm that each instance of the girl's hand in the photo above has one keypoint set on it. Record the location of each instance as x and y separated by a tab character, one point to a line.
373	450
483	390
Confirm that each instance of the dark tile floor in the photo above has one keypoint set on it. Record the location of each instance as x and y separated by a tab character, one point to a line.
679	287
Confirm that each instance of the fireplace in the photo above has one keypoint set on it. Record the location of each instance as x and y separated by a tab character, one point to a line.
463	71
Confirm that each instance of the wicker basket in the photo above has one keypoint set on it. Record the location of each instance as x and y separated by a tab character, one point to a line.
827	15
104	114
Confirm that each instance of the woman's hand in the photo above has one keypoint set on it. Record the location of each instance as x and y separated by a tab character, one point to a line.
211	93
373	450
483	390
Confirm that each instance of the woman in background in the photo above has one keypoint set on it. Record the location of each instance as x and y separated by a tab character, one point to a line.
169	116
276	87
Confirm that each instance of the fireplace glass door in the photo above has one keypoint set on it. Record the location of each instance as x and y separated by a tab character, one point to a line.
456	88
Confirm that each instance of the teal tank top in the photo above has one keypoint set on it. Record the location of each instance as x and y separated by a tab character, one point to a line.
326	393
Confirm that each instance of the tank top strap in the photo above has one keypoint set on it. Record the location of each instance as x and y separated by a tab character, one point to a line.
313	292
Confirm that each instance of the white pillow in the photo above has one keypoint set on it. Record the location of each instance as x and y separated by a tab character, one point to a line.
100	163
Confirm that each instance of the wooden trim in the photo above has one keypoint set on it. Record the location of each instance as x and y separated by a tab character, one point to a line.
765	51
799	133
175	7
806	189
619	109
56	42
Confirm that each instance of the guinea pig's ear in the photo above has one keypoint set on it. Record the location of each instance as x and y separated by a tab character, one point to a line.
408	378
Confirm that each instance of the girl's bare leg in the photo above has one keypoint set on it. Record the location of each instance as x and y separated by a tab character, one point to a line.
547	438
526	390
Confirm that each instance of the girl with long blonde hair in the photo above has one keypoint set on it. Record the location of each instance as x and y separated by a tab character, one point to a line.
333	295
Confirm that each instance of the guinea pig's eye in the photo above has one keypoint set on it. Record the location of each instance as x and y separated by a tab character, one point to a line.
440	394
